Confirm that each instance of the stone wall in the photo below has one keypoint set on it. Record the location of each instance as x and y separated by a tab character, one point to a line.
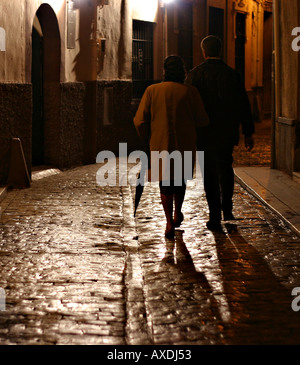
115	116
94	116
72	124
88	117
15	122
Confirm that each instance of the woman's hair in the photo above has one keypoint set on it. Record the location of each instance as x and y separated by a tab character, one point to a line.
174	69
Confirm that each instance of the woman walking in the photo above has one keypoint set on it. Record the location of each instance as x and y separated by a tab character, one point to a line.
167	120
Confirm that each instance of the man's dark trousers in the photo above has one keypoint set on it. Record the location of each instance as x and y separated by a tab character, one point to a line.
219	181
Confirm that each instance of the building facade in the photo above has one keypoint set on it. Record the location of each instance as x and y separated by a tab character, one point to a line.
65	80
286	126
244	26
72	72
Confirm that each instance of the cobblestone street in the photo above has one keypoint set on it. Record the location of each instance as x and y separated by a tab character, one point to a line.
98	97
261	154
77	268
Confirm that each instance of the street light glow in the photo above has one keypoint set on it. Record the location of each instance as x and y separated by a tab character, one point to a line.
145	9
56	5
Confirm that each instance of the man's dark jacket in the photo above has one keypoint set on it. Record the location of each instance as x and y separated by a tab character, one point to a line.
225	100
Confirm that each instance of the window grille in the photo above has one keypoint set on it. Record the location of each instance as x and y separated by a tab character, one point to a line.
142	57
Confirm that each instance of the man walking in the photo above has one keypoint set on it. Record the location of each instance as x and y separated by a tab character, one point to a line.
227	106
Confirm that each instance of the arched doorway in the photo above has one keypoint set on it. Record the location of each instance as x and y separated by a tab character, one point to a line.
46	57
37	94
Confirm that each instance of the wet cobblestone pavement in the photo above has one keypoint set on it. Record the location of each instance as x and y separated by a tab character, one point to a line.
261	153
77	268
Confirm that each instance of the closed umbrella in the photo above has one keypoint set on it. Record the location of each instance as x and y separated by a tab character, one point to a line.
141	182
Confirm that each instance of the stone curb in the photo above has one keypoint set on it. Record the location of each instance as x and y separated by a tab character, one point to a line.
3	192
251	191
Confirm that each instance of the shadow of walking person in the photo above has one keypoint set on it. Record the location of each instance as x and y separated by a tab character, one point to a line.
188	296
259	305
178	255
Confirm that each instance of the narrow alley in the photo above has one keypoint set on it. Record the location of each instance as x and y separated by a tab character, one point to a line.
78	268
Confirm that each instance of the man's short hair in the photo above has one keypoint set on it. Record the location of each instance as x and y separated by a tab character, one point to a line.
212	46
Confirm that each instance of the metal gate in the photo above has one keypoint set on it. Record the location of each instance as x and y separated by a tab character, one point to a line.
142	57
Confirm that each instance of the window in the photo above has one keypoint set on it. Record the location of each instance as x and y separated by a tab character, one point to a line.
2	40
142	57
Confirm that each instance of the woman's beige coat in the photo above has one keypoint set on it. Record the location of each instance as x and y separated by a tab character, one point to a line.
166	120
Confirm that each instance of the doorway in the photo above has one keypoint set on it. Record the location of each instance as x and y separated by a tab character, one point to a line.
45	77
185	34
267	64
37	94
216	25
240	44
